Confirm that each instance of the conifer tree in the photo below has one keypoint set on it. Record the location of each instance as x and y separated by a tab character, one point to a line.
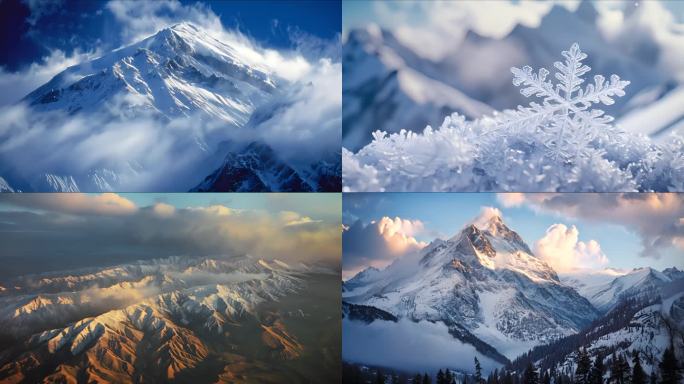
426	379
624	369
597	371
530	375
380	378
478	371
440	377
638	374
417	379
583	362
448	377
669	367
508	379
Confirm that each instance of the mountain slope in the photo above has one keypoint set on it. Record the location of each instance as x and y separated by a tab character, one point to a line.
222	320
484	283
638	283
178	71
648	324
382	90
153	115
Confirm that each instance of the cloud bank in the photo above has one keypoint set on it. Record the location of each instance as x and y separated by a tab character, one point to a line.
58	231
408	346
563	251
378	243
657	218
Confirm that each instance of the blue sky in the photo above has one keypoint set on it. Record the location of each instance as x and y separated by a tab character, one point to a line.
444	214
32	32
322	205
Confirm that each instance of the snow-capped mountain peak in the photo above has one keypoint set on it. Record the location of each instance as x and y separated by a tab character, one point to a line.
481	282
178	71
203	96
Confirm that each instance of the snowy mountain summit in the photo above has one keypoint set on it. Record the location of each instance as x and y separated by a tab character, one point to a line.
176	72
485	284
183	101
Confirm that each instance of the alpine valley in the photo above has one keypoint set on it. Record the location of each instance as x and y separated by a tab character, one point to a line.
486	294
180	110
178	319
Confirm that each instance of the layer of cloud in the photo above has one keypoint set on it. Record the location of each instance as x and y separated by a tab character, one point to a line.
54	231
655	217
17	85
74	203
408	346
379	243
563	251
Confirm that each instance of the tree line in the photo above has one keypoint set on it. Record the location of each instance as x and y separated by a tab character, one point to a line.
612	369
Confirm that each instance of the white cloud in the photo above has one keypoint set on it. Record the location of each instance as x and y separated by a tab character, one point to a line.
379	243
512	199
655	217
140	20
21	83
108	223
408	345
75	203
563	251
486	214
163	209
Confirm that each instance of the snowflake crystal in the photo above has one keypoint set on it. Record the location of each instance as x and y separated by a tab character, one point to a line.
565	115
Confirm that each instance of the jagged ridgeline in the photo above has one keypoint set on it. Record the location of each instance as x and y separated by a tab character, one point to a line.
563	143
177	319
179	110
510	310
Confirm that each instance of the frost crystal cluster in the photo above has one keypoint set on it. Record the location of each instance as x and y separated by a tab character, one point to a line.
560	143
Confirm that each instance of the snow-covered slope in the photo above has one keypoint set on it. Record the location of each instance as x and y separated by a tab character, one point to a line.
645	324
178	71
383	89
156	320
484	284
637	283
586	280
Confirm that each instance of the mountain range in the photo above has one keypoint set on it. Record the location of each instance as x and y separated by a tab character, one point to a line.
390	86
207	95
492	293
214	320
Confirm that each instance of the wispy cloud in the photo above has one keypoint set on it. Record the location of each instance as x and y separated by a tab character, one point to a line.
655	217
94	228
